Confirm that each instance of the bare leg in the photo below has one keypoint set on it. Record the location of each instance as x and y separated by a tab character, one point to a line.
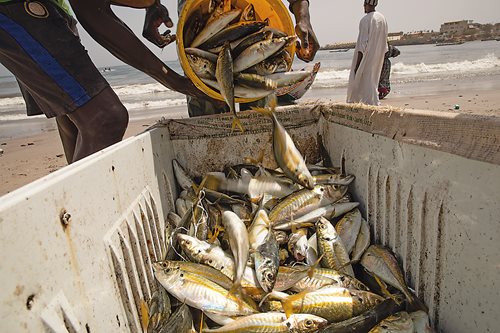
100	123
68	133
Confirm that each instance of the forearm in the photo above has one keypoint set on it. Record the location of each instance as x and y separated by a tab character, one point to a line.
300	9
109	31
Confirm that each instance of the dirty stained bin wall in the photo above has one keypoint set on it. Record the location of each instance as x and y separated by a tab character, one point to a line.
432	196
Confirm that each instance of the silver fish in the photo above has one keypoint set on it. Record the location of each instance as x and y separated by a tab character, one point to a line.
224	75
238	241
267	262
215	26
259	52
348	229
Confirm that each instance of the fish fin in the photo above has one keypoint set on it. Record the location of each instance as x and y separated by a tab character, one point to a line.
310	271
288	303
144	314
264	111
385	291
236	123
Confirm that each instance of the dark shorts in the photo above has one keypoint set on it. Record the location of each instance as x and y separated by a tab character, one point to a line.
39	44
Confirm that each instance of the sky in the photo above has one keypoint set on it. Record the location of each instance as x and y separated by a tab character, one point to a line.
333	21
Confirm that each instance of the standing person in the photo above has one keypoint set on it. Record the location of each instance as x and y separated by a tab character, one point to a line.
307	46
40	45
384	85
368	57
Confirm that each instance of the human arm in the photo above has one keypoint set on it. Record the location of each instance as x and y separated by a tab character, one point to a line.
309	44
108	30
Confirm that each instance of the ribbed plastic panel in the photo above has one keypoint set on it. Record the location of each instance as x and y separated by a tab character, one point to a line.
135	243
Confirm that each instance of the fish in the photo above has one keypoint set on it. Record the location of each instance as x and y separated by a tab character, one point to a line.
201	293
250	40
365	321
289	78
233	32
214	26
203	68
398	323
348	229
380	262
238	241
208	272
259	51
272	322
362	241
255	81
267	262
295	204
332	303
253	187
329	211
330	246
224	75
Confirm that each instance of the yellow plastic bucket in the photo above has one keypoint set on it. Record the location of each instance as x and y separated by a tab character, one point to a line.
274	10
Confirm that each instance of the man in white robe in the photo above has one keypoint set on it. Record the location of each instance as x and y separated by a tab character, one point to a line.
368	57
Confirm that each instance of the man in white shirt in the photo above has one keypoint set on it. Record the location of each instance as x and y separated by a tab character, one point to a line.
368	57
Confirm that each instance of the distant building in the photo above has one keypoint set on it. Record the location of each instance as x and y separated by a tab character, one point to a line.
393	36
456	28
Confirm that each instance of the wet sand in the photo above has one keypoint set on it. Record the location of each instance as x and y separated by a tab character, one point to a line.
30	156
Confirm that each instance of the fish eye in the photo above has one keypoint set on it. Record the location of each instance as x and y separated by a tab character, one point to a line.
288	324
309	323
270	276
168	270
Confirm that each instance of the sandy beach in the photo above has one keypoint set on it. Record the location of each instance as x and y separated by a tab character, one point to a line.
28	158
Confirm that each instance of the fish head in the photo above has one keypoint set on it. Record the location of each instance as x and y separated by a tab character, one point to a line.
306	180
266	272
298	246
203	68
166	272
305	323
192	246
399	322
324	228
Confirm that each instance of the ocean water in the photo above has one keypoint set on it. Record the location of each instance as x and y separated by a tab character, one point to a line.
144	97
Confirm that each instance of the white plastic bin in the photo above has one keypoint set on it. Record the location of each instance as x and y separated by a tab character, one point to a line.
76	246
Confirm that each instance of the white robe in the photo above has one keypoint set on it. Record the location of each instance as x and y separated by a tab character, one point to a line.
372	43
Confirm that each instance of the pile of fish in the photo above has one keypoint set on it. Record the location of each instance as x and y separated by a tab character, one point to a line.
237	54
252	249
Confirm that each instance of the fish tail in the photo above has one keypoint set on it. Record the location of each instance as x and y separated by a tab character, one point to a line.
311	270
267	112
236	124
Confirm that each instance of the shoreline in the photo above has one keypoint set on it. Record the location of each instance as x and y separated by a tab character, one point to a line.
26	158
